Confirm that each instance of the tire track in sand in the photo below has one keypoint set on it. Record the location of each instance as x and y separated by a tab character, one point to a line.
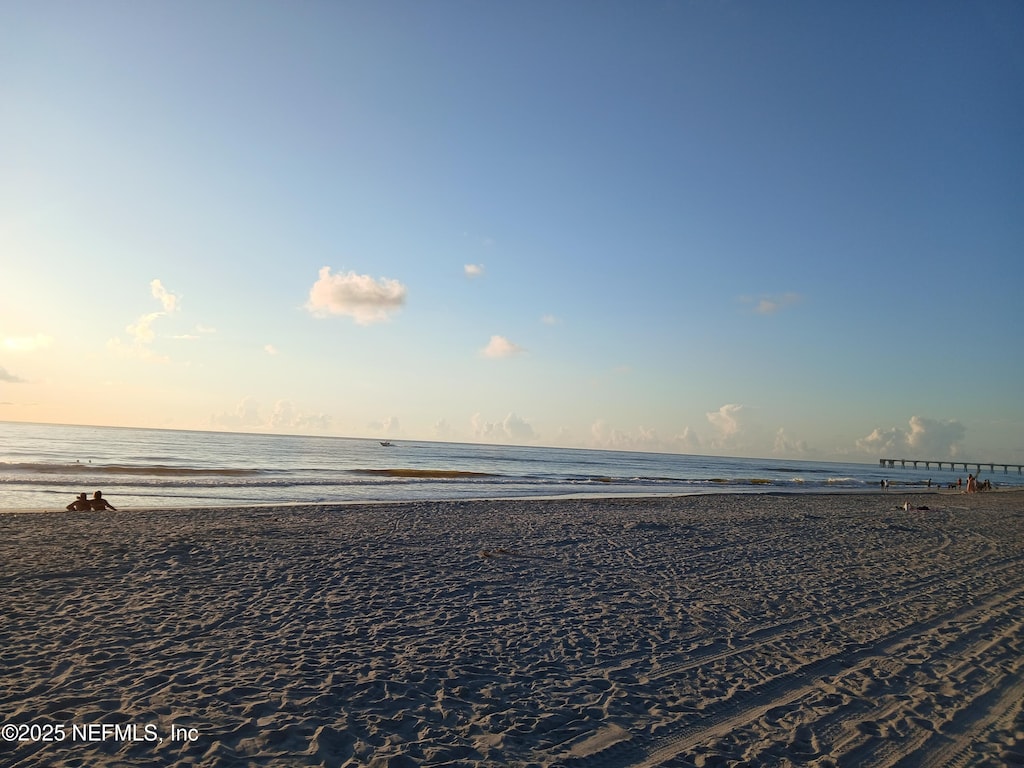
748	706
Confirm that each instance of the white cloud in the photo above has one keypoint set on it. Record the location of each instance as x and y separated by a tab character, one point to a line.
473	270
641	438
482	430
550	320
142	329
726	420
10	378
360	297
884	441
686	441
284	416
270	349
936	436
734	429
925	439
165	297
27	343
499	347
787	446
246	414
511	428
612	438
517	428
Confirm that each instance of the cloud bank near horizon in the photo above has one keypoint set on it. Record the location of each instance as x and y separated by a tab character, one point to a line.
924	439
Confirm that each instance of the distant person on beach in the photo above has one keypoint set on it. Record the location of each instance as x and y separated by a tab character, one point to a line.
80	504
972	483
99	503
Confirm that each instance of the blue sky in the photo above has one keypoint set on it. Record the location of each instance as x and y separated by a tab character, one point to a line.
786	229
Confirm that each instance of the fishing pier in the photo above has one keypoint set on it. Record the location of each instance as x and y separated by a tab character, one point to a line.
891	464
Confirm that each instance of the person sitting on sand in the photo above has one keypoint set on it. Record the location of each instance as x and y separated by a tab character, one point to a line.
99	503
80	504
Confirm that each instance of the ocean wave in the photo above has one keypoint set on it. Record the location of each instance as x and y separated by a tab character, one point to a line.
165	476
439	474
153	470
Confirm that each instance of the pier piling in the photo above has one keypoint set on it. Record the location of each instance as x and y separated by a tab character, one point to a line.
967	465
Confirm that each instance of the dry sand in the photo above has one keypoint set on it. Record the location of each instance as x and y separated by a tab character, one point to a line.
718	630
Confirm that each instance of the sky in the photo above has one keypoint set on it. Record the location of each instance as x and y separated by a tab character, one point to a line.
789	229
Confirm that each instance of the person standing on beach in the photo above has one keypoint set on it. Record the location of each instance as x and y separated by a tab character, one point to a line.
99	503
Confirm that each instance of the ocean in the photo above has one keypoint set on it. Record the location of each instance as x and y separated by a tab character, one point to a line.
44	466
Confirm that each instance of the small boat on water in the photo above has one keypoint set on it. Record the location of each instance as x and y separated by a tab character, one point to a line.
387	443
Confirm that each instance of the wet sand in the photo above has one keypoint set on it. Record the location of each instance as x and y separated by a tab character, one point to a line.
760	630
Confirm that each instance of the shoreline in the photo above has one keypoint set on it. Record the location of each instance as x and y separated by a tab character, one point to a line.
773	628
582	496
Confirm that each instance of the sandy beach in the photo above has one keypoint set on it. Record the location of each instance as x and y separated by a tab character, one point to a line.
755	630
